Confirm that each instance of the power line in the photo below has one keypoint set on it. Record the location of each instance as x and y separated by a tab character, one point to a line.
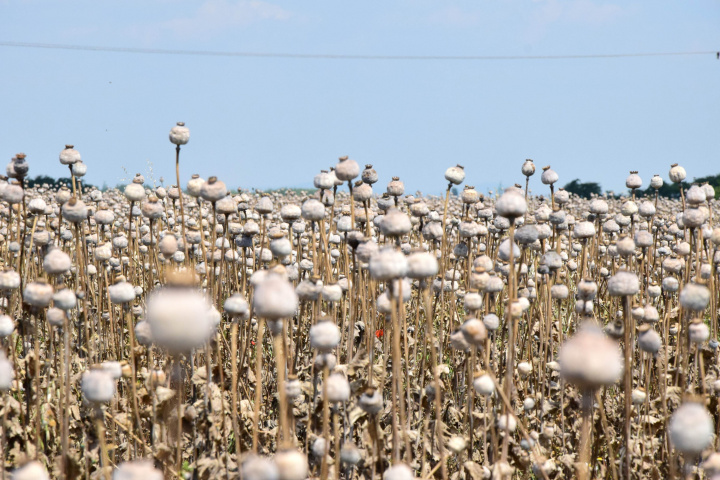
331	56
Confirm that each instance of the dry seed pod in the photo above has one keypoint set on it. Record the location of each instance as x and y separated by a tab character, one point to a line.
528	168
474	331
346	169
38	294
338	388
137	470
256	467
275	298
291	465
691	428
623	283
121	292
7	373
387	264
677	173
324	336
30	471
590	359
511	204
549	176
483	384
98	386
695	297
455	175
179	318
648	339
399	471
179	134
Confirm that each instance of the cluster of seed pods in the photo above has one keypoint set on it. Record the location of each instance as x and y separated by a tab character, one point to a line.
355	332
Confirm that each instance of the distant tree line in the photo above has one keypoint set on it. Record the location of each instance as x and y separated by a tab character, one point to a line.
669	189
55	183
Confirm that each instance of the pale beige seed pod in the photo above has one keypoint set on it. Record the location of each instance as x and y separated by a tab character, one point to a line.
194	185
30	471
179	134
528	168
56	262
590	359
474	331
338	388
677	173
75	210
256	467
656	182
346	169
694	297
137	470
213	190
7	373
691	428
455	175
121	292
387	264
38	294
395	223
291	465
399	471
324	335
633	181
98	386
275	298
370	401
69	155
549	176
623	283
511	204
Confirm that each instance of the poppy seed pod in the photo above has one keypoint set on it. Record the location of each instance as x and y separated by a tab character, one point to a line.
291	465
584	230
332	293
694	297
387	264
7	373
511	204
455	175
395	223
194	185
313	210
528	168
370	401
346	169
698	332
213	190
548	176
648	339
369	175
633	181
677	173
656	182
504	250
483	384
7	326
152	208
143	333
590	359
399	471
137	470
691	428
422	265
168	245
179	134
98	386
56	262
526	234
179	317
338	388
623	283
324	336
38	294
236	305
74	210
290	212
350	454
256	467
293	387
121	292
30	471
79	169
506	422
274	298
65	299
474	331
324	180
362	192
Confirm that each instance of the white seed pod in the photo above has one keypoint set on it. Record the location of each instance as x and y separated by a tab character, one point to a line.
422	265
694	297
134	192
648	339
511	204
291	465
38	294
313	210
69	155
324	180
691	428
56	317
293	387
369	175
506	422
633	181
324	336
395	223
656	182
213	190
318	447
395	188
399	471
338	388
179	318
121	292
370	401
143	333
646	209
7	373
528	168
590	359
112	368
677	173
491	322
9	280
75	211
350	454
524	368
346	169
455	175
623	283
194	185
528	404
332	293
7	326
474	331
473	301
584	230
549	176
484	385
30	471
256	467
387	264
236	305
638	396
698	332
274	298
559	292
137	470
98	386
179	134
65	299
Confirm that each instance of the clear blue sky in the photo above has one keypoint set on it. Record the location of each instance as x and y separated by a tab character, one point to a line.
270	122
